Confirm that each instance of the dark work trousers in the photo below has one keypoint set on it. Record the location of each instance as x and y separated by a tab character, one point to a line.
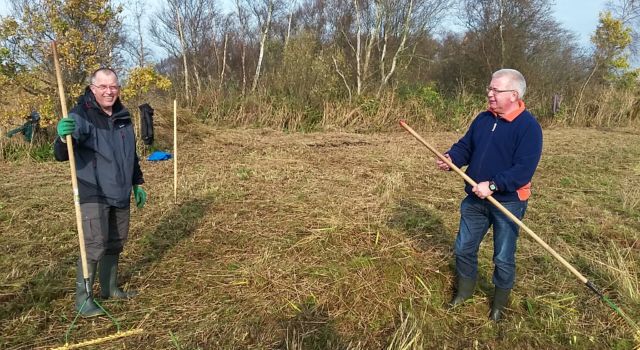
106	229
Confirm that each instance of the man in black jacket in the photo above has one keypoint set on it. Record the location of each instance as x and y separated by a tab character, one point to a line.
108	169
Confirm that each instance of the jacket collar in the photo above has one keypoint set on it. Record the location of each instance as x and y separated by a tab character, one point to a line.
513	115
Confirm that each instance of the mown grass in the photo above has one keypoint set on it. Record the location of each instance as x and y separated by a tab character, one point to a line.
329	241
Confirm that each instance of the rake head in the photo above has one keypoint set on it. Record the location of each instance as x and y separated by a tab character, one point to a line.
118	335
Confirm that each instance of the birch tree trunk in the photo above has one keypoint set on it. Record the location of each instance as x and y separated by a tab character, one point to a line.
184	59
244	69
286	40
394	61
138	15
263	41
198	81
344	79
242	18
373	36
224	59
358	49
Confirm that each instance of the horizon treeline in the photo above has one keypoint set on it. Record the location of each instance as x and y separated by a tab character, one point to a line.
310	64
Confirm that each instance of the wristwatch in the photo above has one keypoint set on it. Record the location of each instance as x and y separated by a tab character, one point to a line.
493	187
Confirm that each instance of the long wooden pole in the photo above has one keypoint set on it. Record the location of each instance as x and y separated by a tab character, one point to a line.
175	151
72	166
1	143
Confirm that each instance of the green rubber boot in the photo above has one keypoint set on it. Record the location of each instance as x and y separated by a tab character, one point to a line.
464	291
88	308
109	279
500	300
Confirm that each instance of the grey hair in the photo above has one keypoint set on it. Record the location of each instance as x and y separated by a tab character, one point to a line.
105	70
516	80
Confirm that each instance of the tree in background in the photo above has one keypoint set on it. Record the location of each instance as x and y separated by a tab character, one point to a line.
310	55
88	36
520	34
612	39
381	37
187	31
610	60
628	11
143	80
135	44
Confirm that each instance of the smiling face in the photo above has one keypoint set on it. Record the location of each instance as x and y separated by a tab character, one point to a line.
106	89
502	98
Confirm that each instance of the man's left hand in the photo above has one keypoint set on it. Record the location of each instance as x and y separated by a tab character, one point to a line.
140	196
482	190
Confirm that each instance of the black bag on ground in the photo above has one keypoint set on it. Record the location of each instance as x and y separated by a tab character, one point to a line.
146	123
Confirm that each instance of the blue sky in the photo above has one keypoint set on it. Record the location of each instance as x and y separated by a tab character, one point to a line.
579	16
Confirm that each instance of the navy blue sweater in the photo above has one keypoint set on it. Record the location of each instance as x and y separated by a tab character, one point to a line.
504	151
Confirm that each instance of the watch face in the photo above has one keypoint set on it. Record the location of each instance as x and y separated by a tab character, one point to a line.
492	187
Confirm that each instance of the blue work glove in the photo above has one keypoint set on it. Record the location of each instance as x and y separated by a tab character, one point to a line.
140	196
65	127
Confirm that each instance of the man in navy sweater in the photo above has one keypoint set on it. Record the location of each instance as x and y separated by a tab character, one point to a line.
502	149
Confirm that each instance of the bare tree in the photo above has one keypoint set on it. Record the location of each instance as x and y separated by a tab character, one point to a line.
264	14
407	14
186	30
628	11
289	21
380	31
358	48
183	47
225	44
521	34
243	21
135	43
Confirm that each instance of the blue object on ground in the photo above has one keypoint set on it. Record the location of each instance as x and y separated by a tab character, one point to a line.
159	155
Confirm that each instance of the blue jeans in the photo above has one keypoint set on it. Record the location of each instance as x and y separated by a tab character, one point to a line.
476	216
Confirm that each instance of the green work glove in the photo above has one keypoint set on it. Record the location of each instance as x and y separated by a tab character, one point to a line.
65	127
140	196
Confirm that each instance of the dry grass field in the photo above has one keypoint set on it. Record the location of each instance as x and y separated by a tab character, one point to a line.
328	240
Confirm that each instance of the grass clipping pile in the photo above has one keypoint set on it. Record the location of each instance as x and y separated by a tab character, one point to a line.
323	241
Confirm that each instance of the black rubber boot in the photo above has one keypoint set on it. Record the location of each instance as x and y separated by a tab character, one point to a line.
464	291
109	279
89	309
500	300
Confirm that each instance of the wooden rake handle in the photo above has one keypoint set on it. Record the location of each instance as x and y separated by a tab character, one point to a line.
72	165
501	208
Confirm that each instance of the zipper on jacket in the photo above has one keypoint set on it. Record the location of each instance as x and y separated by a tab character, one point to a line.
487	145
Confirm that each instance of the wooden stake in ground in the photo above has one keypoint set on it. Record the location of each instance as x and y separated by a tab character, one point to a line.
175	151
1	144
535	237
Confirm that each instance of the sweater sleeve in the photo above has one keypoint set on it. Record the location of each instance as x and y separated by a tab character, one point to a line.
525	161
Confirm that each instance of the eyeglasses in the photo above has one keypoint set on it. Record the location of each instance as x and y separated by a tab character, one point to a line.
496	91
104	88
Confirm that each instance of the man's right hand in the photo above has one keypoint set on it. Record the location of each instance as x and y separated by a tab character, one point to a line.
441	164
65	127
